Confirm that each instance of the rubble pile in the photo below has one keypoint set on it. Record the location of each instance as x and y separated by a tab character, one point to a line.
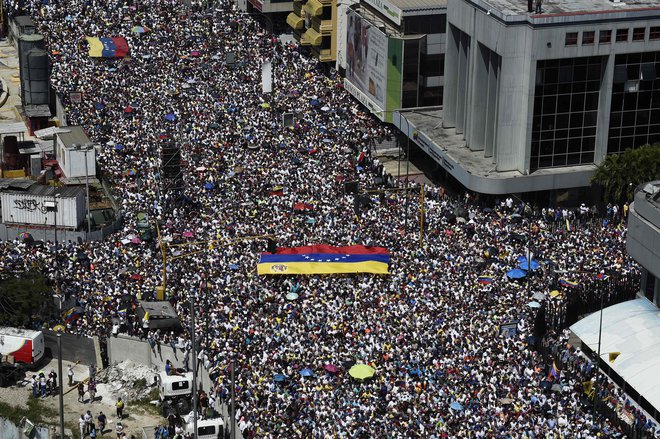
127	380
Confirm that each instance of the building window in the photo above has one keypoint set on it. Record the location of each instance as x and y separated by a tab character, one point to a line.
566	99
639	33
654	33
635	103
588	38
571	38
621	35
605	37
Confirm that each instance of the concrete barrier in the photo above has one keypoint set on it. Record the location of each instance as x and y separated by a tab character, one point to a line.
74	347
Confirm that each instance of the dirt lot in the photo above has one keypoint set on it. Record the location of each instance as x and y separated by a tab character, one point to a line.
137	413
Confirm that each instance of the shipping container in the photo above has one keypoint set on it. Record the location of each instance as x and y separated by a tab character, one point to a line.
35	206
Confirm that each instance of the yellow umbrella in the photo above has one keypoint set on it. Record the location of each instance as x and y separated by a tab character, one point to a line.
554	293
265	105
362	371
59	328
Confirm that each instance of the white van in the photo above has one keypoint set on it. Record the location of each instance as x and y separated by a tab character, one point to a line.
206	428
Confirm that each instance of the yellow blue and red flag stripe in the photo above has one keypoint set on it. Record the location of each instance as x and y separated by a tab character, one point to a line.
325	259
567	283
115	47
485	280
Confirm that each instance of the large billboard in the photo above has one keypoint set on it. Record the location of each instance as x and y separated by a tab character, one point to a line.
366	58
373	66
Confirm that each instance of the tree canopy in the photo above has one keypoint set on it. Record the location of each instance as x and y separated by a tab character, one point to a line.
619	174
25	298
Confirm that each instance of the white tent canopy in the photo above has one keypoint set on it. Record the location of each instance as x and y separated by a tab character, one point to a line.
633	329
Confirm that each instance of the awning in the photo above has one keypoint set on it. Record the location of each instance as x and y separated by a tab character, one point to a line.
311	37
633	329
295	21
313	7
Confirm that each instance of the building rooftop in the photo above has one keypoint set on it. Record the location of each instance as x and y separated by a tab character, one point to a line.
507	9
406	5
74	135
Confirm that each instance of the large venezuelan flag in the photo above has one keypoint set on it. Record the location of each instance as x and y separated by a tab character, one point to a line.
325	259
115	47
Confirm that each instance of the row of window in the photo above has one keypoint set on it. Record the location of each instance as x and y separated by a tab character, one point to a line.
605	36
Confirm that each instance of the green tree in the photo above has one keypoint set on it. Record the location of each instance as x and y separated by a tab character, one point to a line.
619	174
25	299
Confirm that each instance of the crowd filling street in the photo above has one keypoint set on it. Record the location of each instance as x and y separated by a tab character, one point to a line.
430	328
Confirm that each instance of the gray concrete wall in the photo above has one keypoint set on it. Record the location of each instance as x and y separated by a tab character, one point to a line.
124	348
10	232
74	347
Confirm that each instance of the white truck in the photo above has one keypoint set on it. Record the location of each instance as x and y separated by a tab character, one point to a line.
24	345
175	393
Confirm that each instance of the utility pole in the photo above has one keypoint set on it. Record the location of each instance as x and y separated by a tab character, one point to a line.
600	334
61	383
233	399
194	361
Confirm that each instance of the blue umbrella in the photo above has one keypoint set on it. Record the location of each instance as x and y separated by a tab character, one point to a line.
233	267
314	102
534	304
516	273
279	378
99	105
307	372
119	146
456	406
525	265
209	185
327	140
415	371
545	384
170	117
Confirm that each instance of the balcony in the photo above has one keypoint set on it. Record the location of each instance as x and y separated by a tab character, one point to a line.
295	21
311	38
313	7
324	27
324	55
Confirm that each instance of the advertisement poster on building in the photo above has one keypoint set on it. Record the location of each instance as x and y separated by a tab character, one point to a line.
366	58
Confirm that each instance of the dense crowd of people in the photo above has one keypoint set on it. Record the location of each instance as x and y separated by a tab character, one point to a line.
430	328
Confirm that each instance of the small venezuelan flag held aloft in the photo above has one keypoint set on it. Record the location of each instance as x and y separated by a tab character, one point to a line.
325	259
567	283
485	280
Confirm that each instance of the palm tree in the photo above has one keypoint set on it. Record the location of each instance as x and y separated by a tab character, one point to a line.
619	174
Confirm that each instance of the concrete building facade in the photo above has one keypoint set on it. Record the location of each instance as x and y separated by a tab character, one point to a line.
643	240
535	100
